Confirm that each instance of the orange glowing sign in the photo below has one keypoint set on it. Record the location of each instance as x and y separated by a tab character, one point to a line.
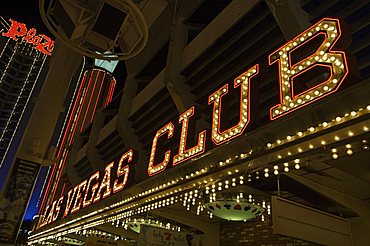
41	42
101	185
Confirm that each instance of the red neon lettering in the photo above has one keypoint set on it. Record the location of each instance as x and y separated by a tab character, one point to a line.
44	217
123	171
105	184
57	208
46	47
50	216
185	154
30	35
80	189
152	168
16	30
95	177
70	196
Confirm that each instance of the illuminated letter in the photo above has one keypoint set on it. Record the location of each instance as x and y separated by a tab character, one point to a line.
50	216
105	183
30	35
219	137
44	216
152	168
123	171
184	154
16	30
80	189
57	208
46	47
86	202
323	57
71	194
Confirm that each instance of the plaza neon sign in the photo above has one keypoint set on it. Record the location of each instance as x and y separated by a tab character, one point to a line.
41	42
92	190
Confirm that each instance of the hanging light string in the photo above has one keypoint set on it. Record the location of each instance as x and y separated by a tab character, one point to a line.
161	199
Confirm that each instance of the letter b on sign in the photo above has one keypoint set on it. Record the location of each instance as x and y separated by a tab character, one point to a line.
324	56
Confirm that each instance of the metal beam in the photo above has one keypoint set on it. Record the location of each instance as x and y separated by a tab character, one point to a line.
124	128
358	206
173	80
290	17
91	152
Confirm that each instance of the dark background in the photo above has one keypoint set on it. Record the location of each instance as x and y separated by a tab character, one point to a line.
25	11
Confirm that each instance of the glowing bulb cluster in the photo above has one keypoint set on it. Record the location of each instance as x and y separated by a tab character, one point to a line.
323	56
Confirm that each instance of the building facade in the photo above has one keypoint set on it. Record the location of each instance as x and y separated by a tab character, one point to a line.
240	123
23	68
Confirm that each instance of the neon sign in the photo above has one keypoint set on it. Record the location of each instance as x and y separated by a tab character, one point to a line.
19	30
325	56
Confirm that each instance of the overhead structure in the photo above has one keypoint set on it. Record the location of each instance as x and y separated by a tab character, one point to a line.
105	30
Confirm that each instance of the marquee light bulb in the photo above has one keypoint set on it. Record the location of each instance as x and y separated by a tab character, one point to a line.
323	56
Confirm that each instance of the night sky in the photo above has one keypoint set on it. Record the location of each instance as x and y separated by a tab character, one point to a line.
27	12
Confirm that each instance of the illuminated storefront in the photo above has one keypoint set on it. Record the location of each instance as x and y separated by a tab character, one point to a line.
260	117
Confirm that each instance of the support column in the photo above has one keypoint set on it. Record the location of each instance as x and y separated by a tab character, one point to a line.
124	128
290	17
71	159
173	79
91	152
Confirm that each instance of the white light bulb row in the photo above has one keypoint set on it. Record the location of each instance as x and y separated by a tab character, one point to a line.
285	167
311	130
188	198
242	156
349	149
